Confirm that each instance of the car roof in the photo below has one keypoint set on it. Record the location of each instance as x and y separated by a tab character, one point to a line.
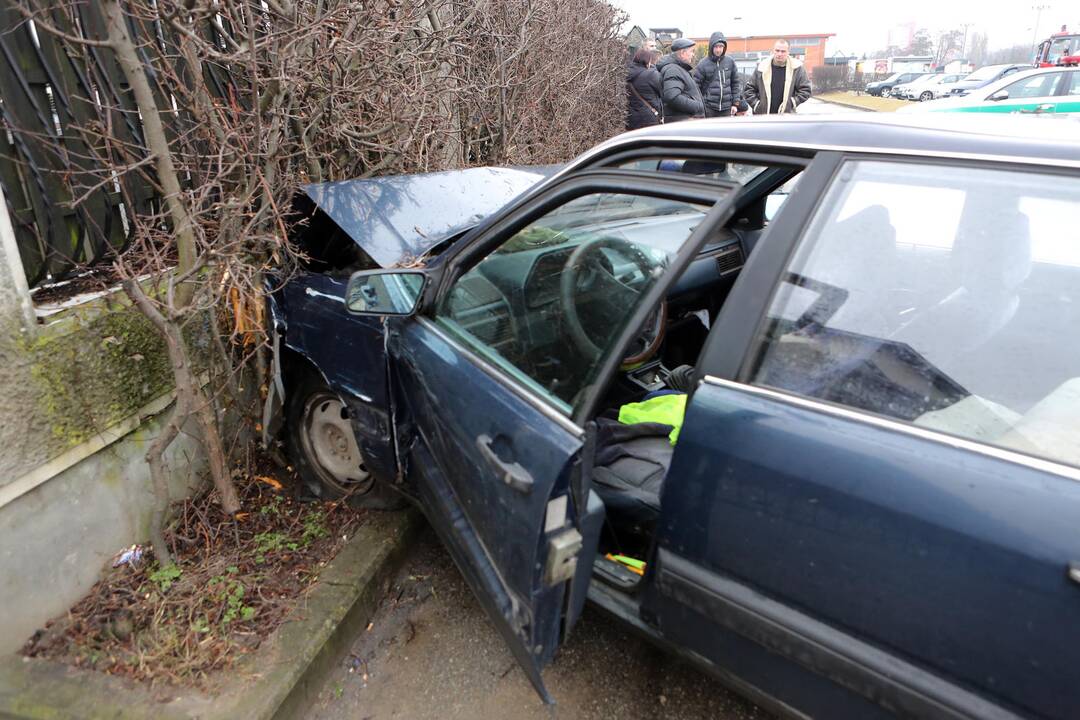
1046	141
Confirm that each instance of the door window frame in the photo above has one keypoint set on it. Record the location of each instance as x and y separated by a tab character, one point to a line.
720	196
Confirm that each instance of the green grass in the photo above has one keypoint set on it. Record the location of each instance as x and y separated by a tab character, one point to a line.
870	102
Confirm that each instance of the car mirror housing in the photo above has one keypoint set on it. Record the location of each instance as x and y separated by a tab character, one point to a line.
385	292
999	95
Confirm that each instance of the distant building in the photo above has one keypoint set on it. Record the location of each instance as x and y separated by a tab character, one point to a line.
664	36
748	51
896	64
635	38
911	63
901	36
839	59
960	65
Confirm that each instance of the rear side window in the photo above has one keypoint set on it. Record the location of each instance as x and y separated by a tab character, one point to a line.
944	297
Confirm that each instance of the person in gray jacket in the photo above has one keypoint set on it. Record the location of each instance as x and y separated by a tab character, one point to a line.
779	84
718	79
682	97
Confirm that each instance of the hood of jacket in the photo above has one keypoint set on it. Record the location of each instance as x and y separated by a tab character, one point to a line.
669	60
635	69
717	37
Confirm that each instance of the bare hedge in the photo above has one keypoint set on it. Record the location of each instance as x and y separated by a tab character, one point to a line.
293	91
203	117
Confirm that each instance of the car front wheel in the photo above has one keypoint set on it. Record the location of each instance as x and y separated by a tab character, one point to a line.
926	96
322	445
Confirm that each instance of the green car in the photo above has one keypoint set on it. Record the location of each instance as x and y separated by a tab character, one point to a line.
1043	91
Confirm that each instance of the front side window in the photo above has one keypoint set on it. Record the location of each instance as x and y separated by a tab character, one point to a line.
547	305
944	297
1038	86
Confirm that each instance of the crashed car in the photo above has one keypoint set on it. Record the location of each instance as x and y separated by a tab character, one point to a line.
860	496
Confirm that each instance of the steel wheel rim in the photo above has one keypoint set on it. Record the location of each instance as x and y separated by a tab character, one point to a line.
328	440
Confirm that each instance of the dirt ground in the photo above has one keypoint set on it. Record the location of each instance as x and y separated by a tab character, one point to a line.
430	652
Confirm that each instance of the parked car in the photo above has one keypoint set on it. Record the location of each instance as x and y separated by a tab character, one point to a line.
984	76
870	505
927	87
1046	91
884	87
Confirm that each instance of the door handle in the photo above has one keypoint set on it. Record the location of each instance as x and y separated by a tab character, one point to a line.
513	474
1045	107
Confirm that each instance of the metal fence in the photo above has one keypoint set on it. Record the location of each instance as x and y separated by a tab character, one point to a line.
66	111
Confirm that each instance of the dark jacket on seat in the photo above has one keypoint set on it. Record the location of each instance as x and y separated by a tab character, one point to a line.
646	81
682	97
718	80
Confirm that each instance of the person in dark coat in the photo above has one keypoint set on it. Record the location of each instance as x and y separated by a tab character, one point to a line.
644	90
779	84
682	97
718	79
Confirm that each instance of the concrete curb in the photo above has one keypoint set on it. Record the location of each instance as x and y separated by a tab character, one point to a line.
277	682
844	104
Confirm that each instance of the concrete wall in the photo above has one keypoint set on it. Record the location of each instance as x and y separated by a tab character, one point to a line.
81	396
56	539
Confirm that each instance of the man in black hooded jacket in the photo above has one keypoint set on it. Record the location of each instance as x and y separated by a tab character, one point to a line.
682	97
718	79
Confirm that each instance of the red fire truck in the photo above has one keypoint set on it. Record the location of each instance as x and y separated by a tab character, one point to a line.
1062	48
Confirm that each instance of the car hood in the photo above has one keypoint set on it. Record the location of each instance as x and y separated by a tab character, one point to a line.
398	218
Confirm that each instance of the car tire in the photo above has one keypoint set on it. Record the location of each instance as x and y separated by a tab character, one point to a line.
321	443
886	92
927	95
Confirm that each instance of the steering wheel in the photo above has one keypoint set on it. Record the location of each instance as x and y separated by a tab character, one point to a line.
589	276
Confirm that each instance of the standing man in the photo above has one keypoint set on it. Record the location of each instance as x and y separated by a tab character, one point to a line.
779	84
718	79
682	97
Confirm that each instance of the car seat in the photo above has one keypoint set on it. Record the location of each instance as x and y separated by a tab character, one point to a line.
861	259
990	258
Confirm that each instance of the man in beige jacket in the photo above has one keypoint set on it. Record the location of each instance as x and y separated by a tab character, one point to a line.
779	84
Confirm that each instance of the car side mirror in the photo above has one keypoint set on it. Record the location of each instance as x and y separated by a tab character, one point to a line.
384	292
999	95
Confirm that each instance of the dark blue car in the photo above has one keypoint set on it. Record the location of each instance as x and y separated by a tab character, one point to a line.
798	399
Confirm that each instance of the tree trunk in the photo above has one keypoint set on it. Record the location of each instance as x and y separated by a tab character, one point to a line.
156	142
189	397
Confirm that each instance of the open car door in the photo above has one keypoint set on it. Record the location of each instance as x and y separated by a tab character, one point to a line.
494	380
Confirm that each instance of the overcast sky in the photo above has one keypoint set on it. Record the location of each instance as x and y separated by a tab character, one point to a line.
859	27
